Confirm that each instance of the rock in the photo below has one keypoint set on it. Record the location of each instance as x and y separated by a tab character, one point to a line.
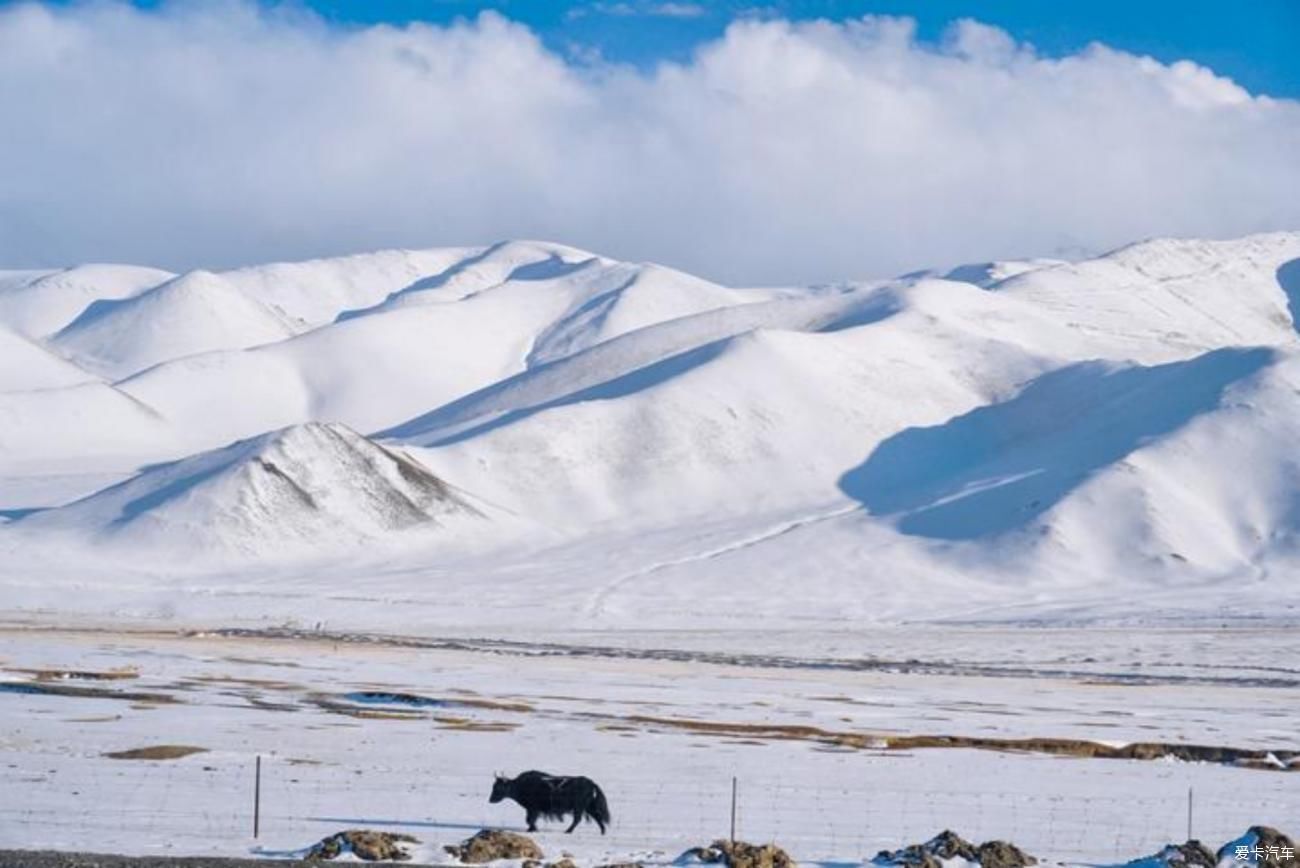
562	862
949	845
739	854
367	845
1193	854
1004	854
490	844
946	845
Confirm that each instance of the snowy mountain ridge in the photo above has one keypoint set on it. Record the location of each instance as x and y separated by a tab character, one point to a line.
1036	439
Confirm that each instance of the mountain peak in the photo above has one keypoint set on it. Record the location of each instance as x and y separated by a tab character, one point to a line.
315	485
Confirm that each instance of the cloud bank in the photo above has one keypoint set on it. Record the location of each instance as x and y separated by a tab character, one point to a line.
220	134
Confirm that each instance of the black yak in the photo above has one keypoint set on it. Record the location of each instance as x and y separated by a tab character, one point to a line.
553	796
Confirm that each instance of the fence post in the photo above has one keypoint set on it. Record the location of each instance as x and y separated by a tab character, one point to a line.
257	796
1189	813
733	810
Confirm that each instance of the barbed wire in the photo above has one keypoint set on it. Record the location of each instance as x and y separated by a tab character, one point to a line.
212	799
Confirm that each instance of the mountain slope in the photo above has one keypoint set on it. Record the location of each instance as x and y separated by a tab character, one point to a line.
302	489
1164	299
316	292
195	313
38	304
425	353
25	365
1023	440
76	427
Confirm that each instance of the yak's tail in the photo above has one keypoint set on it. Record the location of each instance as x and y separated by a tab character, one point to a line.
599	809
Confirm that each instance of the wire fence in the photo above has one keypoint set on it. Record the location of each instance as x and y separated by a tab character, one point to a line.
208	806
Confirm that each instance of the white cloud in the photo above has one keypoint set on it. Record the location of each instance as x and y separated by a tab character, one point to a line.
632	10
677	10
219	134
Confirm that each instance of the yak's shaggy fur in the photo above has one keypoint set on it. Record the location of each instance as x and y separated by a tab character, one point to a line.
552	796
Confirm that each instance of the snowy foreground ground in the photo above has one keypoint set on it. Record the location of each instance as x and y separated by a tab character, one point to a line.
664	737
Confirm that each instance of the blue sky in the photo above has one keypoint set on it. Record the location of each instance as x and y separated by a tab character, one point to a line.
1252	42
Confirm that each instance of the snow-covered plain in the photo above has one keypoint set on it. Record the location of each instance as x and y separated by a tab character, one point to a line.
407	739
1082	475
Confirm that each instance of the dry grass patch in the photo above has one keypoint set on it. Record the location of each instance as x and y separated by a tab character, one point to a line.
249	661
266	683
59	688
157	752
116	674
1274	760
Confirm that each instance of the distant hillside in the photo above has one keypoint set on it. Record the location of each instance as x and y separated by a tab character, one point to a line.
1045	440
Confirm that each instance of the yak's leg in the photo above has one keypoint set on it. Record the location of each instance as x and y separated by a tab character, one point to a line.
579	808
532	821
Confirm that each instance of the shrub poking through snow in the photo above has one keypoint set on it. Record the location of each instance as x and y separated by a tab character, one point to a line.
738	854
949	845
490	844
364	844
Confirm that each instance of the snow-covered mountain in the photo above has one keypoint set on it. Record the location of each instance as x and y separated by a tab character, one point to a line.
1043	439
284	492
191	314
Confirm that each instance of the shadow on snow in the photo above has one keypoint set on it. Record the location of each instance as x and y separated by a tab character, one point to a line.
998	467
1288	277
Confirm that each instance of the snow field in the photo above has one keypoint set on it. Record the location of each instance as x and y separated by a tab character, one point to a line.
426	769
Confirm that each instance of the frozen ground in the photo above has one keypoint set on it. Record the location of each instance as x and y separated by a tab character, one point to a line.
664	737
